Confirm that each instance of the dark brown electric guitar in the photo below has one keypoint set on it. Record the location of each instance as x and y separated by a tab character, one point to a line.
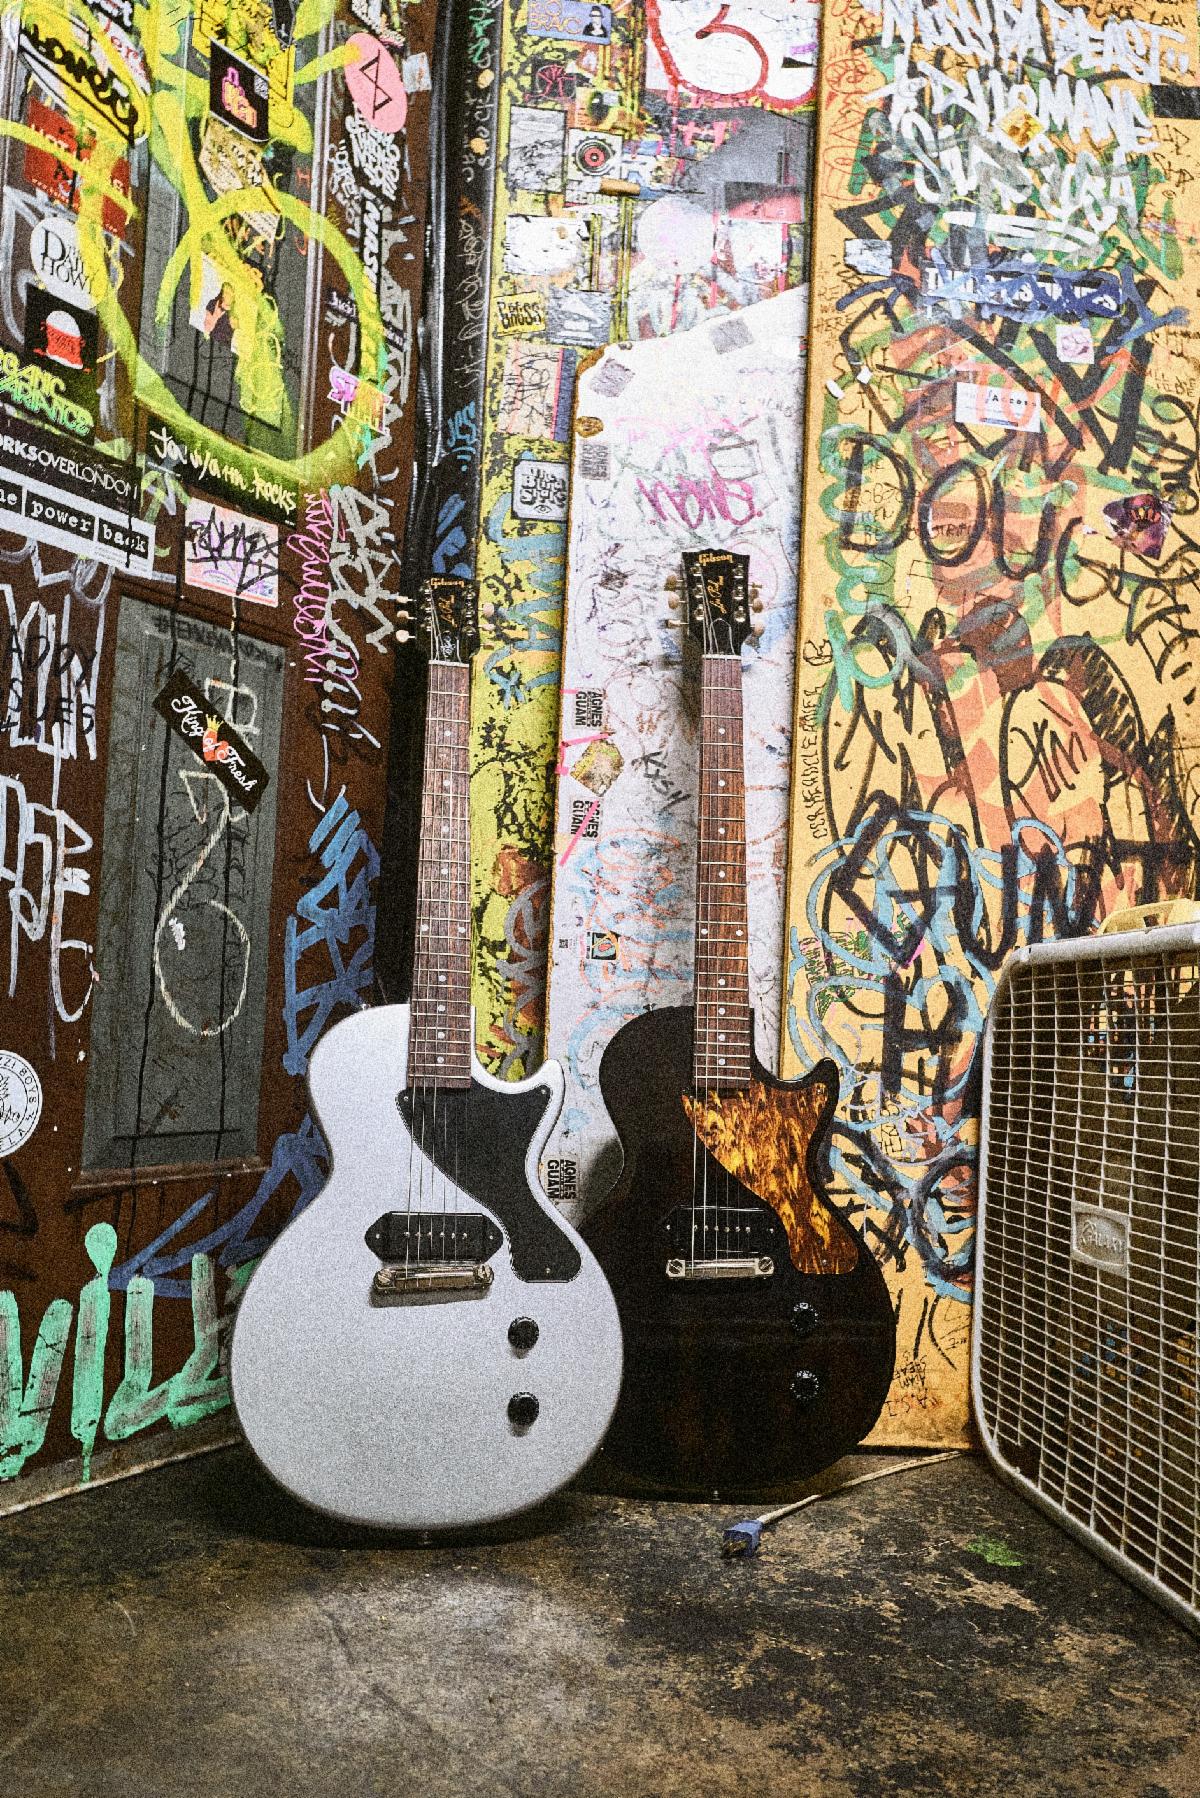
759	1333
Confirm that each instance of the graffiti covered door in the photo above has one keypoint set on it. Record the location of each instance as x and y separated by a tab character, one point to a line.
996	695
209	260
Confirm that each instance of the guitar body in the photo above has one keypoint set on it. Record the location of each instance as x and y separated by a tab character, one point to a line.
397	1414
707	1406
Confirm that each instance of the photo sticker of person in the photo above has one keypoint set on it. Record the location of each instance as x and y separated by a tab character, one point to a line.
573	20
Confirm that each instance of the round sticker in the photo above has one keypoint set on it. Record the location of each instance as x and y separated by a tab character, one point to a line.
20	1101
376	84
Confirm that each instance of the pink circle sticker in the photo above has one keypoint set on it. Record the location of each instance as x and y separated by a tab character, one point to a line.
376	84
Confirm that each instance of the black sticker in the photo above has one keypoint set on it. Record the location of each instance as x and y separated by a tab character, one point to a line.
1171	102
238	93
62	337
213	741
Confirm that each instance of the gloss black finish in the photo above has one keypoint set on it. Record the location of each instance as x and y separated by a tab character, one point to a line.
709	1402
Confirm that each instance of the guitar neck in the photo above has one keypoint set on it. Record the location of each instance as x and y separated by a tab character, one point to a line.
439	1050
723	1044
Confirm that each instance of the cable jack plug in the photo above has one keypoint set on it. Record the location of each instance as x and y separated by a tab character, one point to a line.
742	1538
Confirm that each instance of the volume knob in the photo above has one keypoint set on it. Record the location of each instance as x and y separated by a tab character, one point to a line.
805	1317
805	1386
522	1334
522	1410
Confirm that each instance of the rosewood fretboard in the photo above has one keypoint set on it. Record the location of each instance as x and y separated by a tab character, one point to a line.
439	1050
722	1057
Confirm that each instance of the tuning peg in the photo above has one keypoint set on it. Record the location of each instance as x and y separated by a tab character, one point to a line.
756	605
404	636
672	583
673	603
488	609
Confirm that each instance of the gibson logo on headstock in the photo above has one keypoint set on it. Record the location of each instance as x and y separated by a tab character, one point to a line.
449	617
717	586
1101	1238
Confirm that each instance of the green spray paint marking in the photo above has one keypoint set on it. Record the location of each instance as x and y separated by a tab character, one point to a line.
994	1552
91	1337
199	1388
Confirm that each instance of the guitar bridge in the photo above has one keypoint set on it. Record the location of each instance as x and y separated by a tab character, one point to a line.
728	1267
394	1283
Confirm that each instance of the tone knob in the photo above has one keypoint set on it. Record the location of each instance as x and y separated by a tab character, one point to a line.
522	1334
805	1317
805	1386
522	1410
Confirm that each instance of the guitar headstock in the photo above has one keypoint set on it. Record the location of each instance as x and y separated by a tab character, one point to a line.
449	618
717	589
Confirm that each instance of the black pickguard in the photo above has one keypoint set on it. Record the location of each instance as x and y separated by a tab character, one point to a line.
479	1139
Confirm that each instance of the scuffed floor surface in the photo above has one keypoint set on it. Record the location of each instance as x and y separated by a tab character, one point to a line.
192	1635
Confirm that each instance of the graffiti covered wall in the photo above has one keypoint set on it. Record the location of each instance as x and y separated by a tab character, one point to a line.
210	261
996	727
653	172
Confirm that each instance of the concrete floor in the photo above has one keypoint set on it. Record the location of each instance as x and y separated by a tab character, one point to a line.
191	1634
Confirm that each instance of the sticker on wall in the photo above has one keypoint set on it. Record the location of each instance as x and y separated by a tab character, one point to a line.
570	19
65	507
536	139
20	1101
539	489
213	741
238	93
54	254
521	314
61	333
375	83
228	552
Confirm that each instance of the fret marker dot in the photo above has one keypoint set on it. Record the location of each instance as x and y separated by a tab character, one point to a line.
720	830
720	1011
720	982
441	1060
721	874
721	731
704	932
720	1061
720	783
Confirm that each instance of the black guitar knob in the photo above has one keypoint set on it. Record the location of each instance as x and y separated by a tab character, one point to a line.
805	1317
805	1386
522	1410
522	1334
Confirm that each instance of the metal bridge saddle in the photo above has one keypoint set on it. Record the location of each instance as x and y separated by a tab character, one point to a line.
722	1242
431	1252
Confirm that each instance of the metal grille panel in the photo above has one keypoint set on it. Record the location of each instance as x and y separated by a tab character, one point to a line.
1087	1323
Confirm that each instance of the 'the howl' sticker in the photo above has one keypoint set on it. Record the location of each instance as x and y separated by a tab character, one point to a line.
20	1101
215	742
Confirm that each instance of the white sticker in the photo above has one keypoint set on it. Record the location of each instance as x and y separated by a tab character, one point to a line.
540	490
868	255
544	246
54	252
20	1101
1005	408
1074	344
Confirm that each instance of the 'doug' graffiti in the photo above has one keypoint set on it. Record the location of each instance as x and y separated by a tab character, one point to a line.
997	709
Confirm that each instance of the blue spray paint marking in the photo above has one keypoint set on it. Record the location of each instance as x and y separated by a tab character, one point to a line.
351	864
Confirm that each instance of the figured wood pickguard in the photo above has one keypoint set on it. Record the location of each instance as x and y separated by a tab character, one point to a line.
760	1135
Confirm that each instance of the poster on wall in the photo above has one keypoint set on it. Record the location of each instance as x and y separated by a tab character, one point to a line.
996	707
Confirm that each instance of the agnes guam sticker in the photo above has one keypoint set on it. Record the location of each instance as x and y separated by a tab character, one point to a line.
1139	523
20	1101
213	741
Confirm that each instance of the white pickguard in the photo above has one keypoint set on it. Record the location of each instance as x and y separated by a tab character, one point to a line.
397	1415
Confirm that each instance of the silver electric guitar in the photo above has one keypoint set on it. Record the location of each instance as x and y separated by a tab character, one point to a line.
429	1344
